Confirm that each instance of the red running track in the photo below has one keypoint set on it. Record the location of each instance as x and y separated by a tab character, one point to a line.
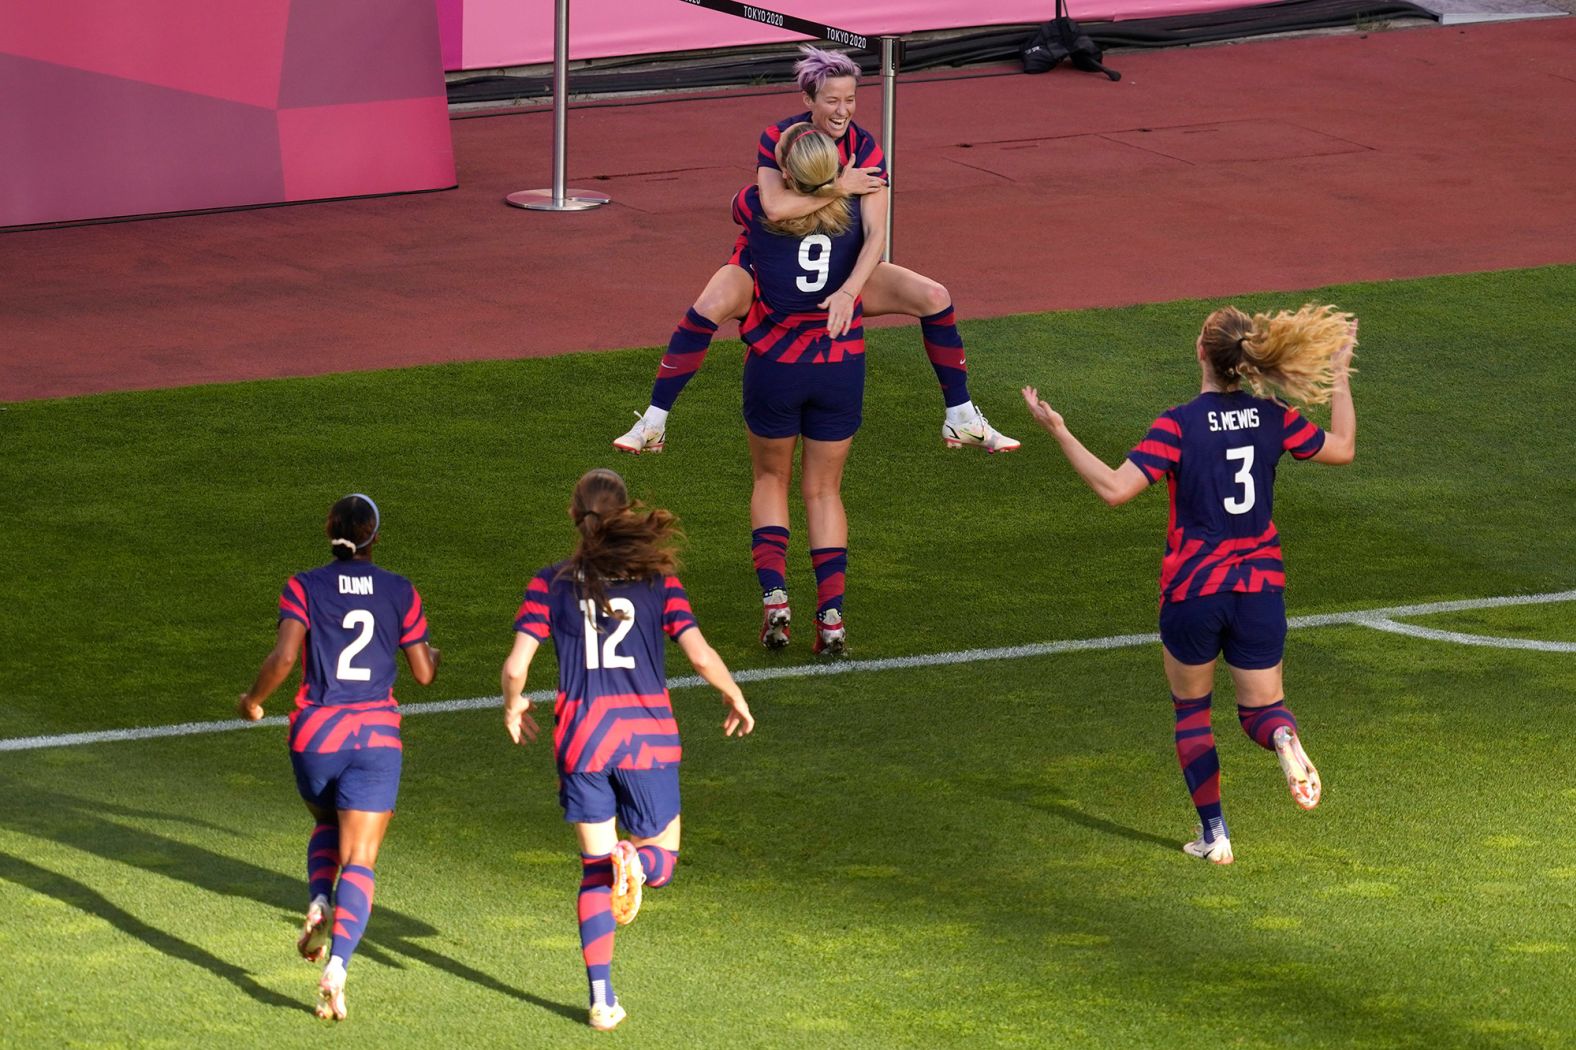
1206	172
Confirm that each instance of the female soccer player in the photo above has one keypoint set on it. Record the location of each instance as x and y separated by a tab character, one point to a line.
828	80
1222	582
615	743
804	377
344	732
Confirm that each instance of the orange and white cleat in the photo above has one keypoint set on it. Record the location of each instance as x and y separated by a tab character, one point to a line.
607	1018
1216	851
315	931
628	878
1301	778
331	991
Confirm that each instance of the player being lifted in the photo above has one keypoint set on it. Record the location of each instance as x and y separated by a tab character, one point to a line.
345	745
608	608
828	80
1222	580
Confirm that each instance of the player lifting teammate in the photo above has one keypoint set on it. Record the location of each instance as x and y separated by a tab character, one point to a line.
828	80
345	745
1222	580
615	743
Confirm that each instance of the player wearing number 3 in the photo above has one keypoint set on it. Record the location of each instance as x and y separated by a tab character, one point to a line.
608	609
1222	580
345	746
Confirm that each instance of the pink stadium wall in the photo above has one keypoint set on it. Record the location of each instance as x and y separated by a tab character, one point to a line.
113	108
479	34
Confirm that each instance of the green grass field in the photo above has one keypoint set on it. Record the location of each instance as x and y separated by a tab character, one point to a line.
974	855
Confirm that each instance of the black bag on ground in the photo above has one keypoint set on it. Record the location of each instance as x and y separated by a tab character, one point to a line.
1062	38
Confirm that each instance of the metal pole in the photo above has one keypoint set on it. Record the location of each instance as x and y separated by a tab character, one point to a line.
891	55
558	198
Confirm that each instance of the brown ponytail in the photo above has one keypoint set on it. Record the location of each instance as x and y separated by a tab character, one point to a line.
618	540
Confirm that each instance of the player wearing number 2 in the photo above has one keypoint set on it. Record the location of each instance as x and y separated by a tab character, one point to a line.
1222	580
608	609
352	617
829	80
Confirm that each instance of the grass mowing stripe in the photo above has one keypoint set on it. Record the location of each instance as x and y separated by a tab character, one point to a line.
1375	618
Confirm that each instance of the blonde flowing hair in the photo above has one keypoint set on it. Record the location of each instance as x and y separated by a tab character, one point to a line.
619	539
1287	353
810	166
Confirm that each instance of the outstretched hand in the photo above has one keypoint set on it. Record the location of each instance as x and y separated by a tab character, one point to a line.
1042	412
520	726
1341	360
739	718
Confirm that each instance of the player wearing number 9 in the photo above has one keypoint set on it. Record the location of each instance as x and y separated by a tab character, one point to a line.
1222	580
344	735
609	608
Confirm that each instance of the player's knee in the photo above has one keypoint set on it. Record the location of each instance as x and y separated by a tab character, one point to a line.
933	298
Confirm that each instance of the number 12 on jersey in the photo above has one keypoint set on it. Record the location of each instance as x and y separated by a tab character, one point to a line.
606	654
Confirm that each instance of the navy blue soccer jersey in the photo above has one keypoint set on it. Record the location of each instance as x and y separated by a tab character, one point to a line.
792	276
357	618
856	146
613	710
1218	455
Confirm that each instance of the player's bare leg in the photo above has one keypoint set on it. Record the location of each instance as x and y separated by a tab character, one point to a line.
726	297
894	289
822	485
771	462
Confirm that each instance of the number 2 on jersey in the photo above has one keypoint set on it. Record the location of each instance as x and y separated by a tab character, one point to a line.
815	257
607	655
349	672
1244	477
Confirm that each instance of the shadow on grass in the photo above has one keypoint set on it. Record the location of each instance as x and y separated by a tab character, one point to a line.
82	824
1053	802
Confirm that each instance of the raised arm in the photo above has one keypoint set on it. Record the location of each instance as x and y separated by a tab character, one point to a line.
276	668
709	666
1114	485
520	726
780	202
1340	440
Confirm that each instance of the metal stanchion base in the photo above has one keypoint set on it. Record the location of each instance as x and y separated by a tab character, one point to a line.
543	200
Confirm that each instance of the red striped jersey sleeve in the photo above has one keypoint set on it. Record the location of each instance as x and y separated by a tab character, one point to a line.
292	603
766	152
746	205
533	618
867	152
1161	450
1300	436
677	617
413	625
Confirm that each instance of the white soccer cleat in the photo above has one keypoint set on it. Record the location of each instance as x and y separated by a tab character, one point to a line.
628	877
831	635
607	1018
642	437
977	433
315	931
775	618
331	992
1216	852
1301	778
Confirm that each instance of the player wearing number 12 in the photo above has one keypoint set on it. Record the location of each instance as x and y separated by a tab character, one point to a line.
1222	580
352	618
608	609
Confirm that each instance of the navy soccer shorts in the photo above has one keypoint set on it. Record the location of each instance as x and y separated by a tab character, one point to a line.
1250	629
644	800
364	778
823	402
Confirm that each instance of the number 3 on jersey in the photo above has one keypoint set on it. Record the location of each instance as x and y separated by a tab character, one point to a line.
815	257
607	655
1244	477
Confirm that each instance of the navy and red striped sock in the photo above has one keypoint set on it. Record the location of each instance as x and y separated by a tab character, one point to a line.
944	347
686	352
352	908
1260	723
831	569
322	862
1200	762
658	864
596	925
769	548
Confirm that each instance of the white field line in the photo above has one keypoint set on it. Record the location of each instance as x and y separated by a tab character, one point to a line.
1379	619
